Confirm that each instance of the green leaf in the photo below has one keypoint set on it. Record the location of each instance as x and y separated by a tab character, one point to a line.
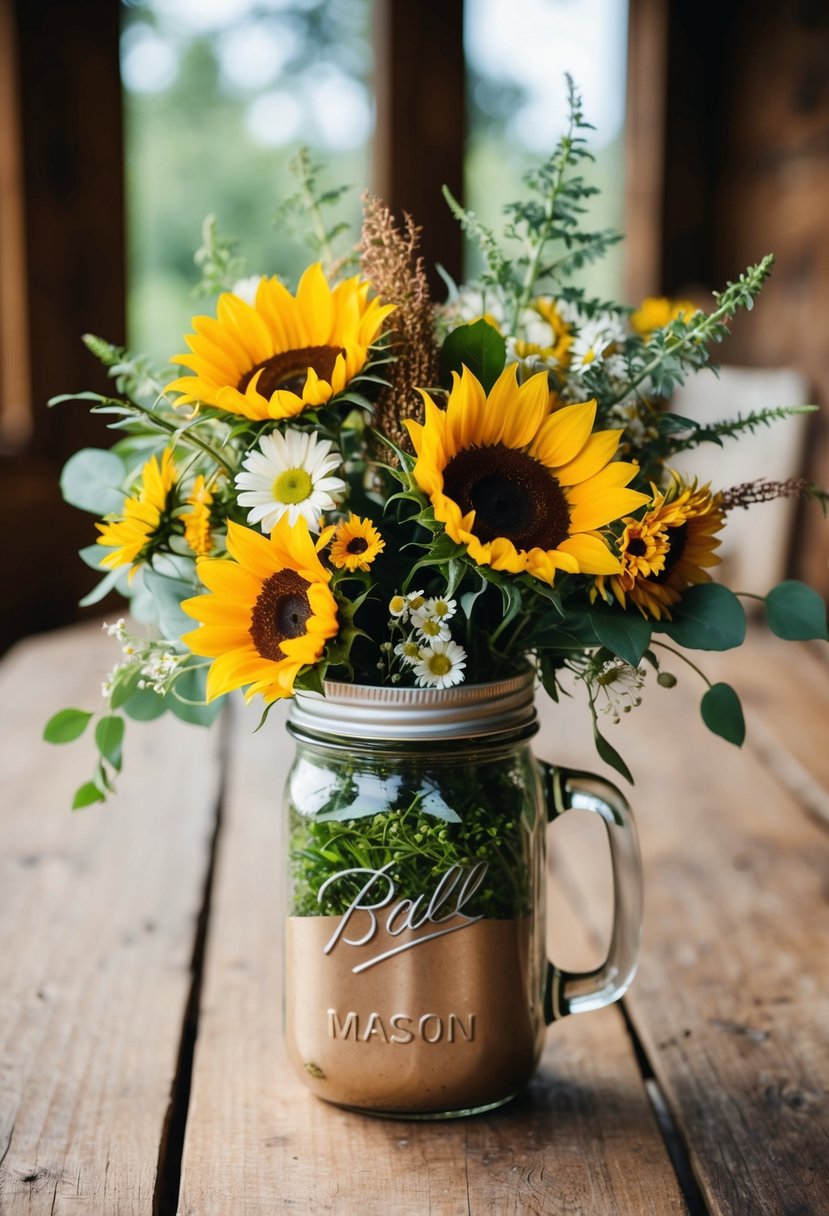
109	735
479	347
722	713
144	705
187	699
167	594
625	635
796	612
86	794
610	756
124	686
92	479
708	617
66	725
108	583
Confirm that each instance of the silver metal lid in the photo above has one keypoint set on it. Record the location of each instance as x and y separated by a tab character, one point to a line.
376	713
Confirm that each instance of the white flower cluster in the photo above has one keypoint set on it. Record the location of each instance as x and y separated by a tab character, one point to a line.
156	663
427	648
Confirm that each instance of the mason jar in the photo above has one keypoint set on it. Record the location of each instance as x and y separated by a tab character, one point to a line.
416	977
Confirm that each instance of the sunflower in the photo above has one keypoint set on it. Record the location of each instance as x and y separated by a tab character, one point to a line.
655	312
197	532
282	354
131	534
356	544
523	488
667	551
271	611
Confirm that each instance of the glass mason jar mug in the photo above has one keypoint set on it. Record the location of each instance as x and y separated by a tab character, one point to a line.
417	982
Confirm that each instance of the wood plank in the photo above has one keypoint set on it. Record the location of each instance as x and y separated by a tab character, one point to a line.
581	1139
732	1002
97	922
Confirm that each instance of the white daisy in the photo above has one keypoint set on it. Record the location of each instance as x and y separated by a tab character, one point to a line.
429	626
441	665
399	606
409	651
290	473
593	340
441	610
415	601
620	683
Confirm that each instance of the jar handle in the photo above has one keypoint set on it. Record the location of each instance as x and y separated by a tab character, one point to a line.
579	991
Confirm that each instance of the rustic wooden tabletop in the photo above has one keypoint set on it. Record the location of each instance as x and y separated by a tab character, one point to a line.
140	1061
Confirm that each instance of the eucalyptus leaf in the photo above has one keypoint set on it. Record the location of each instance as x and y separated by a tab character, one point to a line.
187	698
144	705
708	617
92	480
627	635
722	713
796	612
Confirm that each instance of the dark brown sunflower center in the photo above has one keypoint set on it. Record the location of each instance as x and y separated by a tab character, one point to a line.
677	539
289	370
637	547
512	495
358	544
280	612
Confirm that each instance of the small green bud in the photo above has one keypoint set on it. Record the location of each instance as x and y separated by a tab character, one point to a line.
666	680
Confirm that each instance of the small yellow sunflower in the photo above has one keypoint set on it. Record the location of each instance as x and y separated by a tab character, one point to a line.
271	611
197	531
668	550
655	312
284	353
130	534
549	337
356	544
523	488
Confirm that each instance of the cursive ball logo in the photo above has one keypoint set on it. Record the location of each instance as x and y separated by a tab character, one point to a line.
453	892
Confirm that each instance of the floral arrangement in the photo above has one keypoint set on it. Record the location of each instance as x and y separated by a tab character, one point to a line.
354	481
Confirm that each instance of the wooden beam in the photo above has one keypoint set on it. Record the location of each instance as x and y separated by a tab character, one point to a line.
421	121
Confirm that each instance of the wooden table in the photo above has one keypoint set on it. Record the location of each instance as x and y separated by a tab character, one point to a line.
140	1065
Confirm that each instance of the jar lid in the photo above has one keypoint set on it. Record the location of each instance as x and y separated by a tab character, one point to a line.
378	713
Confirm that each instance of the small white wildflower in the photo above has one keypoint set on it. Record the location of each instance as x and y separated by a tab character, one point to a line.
441	665
409	651
247	287
106	689
399	606
593	341
619	683
441	610
415	601
118	630
430	628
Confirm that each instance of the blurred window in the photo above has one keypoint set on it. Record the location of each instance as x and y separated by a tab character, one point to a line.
518	52
219	95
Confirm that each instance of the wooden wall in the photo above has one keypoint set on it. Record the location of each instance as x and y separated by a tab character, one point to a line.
743	146
65	182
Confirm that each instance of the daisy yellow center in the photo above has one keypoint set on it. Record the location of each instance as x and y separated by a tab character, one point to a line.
289	369
294	485
411	649
431	628
440	665
512	495
357	544
280	612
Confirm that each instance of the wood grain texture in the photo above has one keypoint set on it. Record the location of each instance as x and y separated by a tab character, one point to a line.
732	998
582	1138
97	920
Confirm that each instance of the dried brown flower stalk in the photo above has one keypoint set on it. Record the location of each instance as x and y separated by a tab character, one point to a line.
762	490
390	263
